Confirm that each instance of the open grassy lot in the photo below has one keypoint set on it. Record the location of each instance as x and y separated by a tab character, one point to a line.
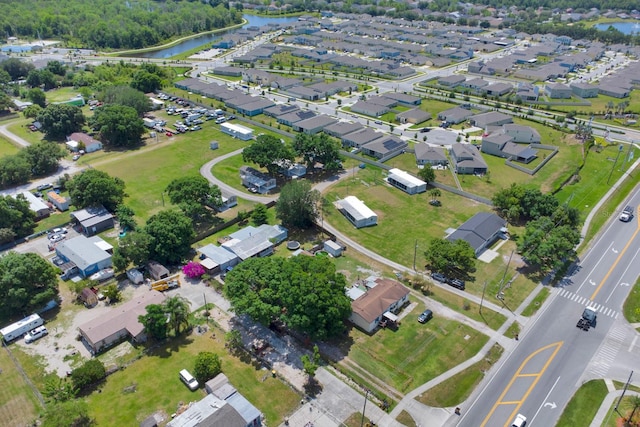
537	302
6	147
158	386
599	104
19	127
414	353
583	405
457	389
18	404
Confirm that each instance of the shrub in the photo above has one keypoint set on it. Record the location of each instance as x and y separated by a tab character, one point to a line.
193	270
207	366
89	373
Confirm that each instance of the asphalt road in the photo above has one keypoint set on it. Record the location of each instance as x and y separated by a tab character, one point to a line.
554	357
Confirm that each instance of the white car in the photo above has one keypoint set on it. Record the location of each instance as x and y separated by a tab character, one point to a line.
55	238
520	421
62	230
35	334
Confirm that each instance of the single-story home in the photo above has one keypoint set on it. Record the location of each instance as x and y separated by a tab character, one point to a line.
455	115
498	89
60	202
216	259
502	145
406	182
521	133
213	411
36	205
341	129
237	131
414	116
255	241
119	323
255	107
467	159
369	108
280	110
357	212
220	387
93	220
613	91
360	137
88	255
584	90
428	155
157	271
77	140
403	98
480	231
314	124
382	299
558	91
385	147
452	80
256	180
491	118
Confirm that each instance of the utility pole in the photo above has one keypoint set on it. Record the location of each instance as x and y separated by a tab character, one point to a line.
484	288
365	406
620	148
415	253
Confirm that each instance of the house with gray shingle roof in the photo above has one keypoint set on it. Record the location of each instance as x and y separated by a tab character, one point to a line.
480	231
455	115
414	116
427	155
491	118
467	159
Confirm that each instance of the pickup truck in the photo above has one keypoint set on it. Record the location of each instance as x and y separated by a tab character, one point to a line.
627	214
588	319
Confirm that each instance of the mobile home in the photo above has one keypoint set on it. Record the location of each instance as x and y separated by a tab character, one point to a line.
21	327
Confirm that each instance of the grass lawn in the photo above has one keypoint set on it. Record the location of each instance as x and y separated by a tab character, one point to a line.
355	420
470	309
435	106
406	419
18	404
62	94
599	104
158	386
631	306
7	148
19	127
626	408
54	220
415	352
584	404
457	389
537	302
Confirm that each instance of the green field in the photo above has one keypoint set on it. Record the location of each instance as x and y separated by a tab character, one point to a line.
631	306
414	353
7	148
18	403
159	389
584	404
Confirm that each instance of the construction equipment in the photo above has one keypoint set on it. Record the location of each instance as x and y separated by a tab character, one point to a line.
167	283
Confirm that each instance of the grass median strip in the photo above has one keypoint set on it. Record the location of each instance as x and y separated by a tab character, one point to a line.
584	404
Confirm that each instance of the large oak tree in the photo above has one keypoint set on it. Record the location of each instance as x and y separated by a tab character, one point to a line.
95	187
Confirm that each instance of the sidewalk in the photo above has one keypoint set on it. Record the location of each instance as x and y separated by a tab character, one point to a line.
607	403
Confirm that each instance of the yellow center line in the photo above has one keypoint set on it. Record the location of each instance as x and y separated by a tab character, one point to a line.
517	375
622	252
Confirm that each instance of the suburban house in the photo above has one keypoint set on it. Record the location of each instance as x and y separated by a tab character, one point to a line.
403	98
36	205
359	138
380	299
84	255
93	220
452	80
357	212
613	91
257	181
258	242
491	118
255	107
341	129
369	108
119	323
584	90
521	133
406	182
455	115
223	406
498	89
280	109
294	117
79	139
157	271
216	259
385	147
502	145
60	202
237	131
467	159
428	155
480	231
314	124
558	91
414	116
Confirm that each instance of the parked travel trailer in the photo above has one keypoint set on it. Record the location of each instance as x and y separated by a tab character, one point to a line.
21	327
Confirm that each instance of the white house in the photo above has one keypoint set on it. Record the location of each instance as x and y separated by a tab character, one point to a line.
406	182
237	131
381	300
35	204
357	212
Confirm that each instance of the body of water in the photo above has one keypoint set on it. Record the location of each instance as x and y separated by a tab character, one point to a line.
628	27
252	21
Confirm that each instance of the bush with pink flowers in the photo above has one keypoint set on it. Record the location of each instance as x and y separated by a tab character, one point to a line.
193	270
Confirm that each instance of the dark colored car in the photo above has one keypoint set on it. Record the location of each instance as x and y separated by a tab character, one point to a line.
439	277
457	283
425	316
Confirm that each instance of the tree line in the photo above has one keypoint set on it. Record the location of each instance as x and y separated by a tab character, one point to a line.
112	24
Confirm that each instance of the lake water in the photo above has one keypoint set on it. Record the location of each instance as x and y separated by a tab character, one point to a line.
628	27
252	21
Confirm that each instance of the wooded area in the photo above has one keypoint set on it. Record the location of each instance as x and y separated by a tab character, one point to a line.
109	24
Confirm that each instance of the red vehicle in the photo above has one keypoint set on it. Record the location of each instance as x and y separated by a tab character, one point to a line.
169	134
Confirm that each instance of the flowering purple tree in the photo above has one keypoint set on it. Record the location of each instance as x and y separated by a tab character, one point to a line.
193	270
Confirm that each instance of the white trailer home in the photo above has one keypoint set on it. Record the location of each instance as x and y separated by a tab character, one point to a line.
21	327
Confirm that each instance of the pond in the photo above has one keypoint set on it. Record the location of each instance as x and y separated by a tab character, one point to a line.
629	27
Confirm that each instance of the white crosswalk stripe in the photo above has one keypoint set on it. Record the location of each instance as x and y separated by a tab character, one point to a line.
609	312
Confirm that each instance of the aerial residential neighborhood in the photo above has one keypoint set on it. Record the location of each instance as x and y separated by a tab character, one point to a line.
327	214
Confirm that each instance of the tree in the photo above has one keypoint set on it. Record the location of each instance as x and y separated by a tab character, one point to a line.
318	148
207	366
17	68
7	235
427	174
56	67
118	125
192	193
305	293
38	97
310	364
90	372
14	170
268	152
455	259
177	311
6	103
523	203
135	248
112	293
126	218
60	120
297	205
27	283
259	215
15	215
233	340
127	96
94	187
70	413
155	321
171	234
58	389
547	245
146	82
193	270
434	193
32	111
43	157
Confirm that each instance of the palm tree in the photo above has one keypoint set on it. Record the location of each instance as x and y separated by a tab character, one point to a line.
610	106
635	402
177	308
435	193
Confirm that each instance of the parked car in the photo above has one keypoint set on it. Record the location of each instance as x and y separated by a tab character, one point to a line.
37	194
54	238
425	316
169	134
35	334
76	157
378	122
44	186
456	283
196	128
439	277
231	117
59	230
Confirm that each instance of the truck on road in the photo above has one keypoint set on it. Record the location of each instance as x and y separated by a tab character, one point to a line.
588	319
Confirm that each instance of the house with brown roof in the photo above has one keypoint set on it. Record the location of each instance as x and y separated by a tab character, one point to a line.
380	300
77	140
119	323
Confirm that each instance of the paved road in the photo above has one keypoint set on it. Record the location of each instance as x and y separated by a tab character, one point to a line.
554	357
